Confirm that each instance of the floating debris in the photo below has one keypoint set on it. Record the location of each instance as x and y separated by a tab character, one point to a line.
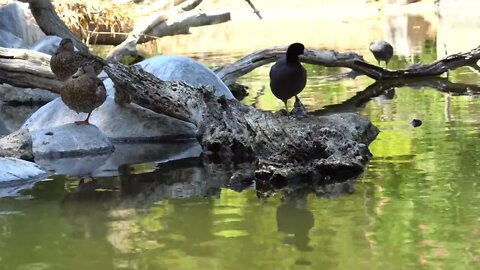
416	122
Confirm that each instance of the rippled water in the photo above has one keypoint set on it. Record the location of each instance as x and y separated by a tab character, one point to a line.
416	206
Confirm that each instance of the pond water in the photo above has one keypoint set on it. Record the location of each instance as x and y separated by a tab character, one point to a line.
416	206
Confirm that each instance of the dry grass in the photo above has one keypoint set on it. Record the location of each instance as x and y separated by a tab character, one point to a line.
87	17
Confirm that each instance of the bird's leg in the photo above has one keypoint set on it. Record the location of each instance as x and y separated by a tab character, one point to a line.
386	64
84	122
286	106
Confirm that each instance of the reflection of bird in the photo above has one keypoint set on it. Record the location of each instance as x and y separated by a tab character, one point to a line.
382	51
287	76
296	221
65	62
83	92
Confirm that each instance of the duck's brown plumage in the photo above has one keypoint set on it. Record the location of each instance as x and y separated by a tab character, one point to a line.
83	92
66	61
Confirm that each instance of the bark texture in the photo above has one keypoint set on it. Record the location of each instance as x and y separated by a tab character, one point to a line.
283	147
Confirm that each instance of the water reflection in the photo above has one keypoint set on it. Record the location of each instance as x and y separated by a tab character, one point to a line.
294	219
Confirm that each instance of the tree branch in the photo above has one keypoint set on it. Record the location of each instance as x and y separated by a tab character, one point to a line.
230	73
176	20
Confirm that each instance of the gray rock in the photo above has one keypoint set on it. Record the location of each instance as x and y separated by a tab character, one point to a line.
17	174
13	117
129	123
15	95
48	45
174	68
69	140
9	40
17	19
17	145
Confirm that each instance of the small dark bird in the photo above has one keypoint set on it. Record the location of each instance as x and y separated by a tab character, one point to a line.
83	92
66	61
382	51
287	76
416	122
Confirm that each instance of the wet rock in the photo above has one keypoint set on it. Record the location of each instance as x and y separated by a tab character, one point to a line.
73	166
128	123
173	68
17	145
19	96
48	45
142	153
18	174
69	140
17	19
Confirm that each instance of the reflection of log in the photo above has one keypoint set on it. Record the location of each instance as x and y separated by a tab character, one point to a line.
286	148
176	20
353	61
26	68
360	99
50	23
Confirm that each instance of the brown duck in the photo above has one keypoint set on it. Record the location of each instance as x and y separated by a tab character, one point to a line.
66	61
83	92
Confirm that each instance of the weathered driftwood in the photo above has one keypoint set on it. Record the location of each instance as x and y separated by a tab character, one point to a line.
176	20
230	73
285	148
27	68
44	13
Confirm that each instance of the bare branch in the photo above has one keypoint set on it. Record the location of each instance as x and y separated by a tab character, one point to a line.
176	20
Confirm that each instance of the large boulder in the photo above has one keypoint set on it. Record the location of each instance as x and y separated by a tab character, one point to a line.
13	117
128	123
175	68
17	174
9	40
48	45
17	19
132	123
69	140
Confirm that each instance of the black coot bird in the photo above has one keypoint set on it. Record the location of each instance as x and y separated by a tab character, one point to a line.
382	51
287	76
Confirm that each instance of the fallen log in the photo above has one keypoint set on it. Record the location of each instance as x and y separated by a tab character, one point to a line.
27	68
283	148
